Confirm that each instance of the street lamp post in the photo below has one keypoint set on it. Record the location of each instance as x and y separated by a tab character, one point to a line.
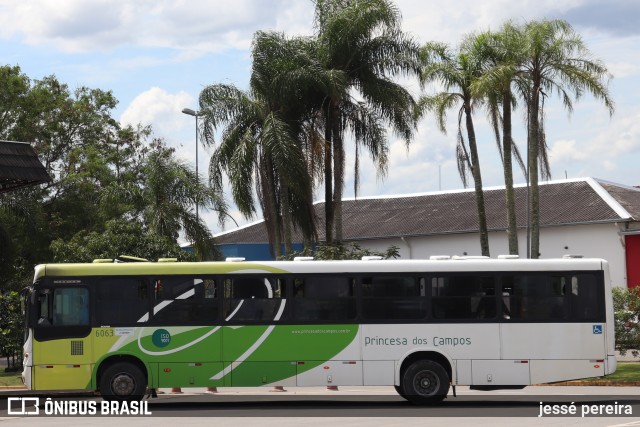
190	112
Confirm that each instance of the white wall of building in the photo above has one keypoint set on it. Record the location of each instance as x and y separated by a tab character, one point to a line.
591	241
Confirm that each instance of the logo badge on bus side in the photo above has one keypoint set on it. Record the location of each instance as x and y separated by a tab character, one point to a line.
161	338
597	329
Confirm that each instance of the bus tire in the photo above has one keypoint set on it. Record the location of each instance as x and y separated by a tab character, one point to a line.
425	382
399	391
123	381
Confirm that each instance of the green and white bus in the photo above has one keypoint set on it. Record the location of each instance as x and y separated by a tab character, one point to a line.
126	329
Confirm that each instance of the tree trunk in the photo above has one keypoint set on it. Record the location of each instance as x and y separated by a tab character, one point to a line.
338	178
532	165
507	149
286	218
477	179
307	221
271	214
328	179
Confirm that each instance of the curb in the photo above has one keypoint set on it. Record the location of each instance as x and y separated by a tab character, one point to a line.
9	391
576	383
592	383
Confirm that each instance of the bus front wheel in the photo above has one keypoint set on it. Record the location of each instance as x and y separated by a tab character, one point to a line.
122	381
399	391
425	382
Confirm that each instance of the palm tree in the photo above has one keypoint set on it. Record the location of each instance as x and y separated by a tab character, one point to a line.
170	191
504	54
361	45
556	59
456	71
260	149
253	135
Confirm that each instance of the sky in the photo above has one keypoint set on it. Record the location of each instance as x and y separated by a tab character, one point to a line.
157	55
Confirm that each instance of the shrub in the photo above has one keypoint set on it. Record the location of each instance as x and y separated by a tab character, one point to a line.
626	307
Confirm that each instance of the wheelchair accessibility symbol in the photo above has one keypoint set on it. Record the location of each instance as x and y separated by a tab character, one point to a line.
597	329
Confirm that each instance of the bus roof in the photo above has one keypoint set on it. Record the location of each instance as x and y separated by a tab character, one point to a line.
327	267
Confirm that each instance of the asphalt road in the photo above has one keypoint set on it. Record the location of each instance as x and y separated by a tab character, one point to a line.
354	406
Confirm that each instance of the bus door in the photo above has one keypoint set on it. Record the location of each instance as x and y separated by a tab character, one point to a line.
62	352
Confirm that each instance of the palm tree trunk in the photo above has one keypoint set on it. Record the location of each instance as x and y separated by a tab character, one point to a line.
477	179
328	178
532	164
338	178
271	216
307	218
286	218
507	149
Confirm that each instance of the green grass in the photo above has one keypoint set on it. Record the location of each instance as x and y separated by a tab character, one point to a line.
10	379
625	372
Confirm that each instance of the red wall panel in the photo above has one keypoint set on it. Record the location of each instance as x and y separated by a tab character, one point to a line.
632	243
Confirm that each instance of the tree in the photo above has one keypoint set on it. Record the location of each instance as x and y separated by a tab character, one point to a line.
361	43
504	53
287	74
11	333
556	59
169	193
15	89
260	148
456	71
626	307
66	129
101	172
118	238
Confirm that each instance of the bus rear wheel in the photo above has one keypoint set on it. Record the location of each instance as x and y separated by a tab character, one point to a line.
123	381
425	382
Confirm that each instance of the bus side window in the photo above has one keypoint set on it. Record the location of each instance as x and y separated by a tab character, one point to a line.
585	298
458	297
539	297
123	300
324	298
254	299
70	307
393	298
44	304
185	299
505	301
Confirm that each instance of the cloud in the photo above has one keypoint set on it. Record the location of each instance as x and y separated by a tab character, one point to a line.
564	151
623	69
161	109
78	26
68	25
448	21
617	17
627	139
428	165
215	25
611	147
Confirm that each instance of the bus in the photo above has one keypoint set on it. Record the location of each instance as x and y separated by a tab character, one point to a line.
126	329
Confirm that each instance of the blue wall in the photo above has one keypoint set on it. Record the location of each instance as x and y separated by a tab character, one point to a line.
251	251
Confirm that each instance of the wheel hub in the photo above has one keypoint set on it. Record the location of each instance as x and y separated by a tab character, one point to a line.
426	383
123	385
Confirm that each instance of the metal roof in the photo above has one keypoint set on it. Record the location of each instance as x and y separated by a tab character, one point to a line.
566	202
19	166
